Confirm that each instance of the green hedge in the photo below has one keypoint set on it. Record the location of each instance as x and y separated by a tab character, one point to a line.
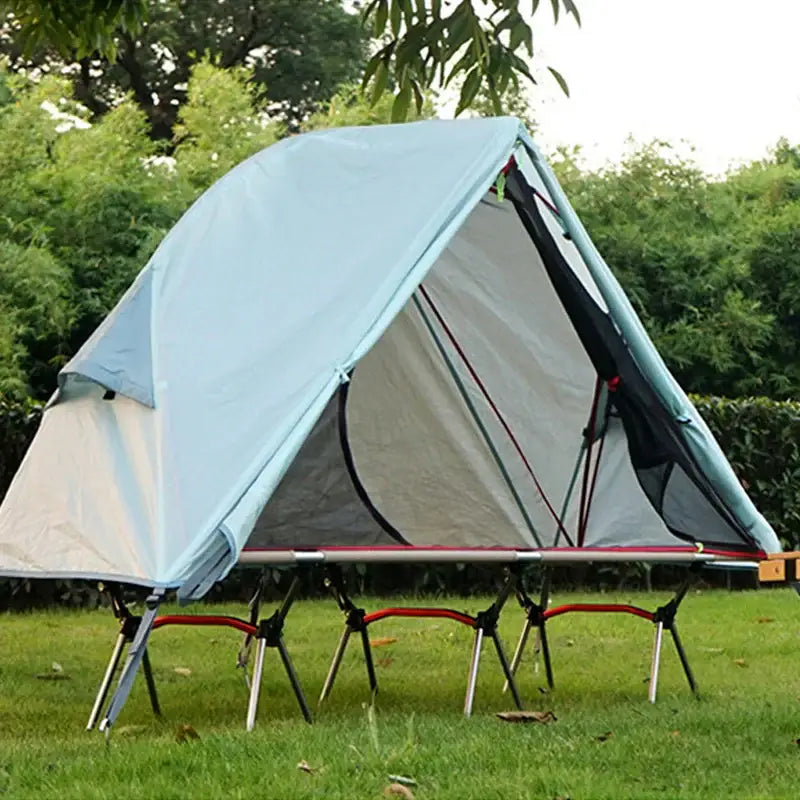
761	438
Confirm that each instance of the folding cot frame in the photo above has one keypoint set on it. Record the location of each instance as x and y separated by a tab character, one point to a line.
267	632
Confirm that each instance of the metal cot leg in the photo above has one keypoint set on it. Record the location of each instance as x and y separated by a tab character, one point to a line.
335	664
105	684
651	696
473	672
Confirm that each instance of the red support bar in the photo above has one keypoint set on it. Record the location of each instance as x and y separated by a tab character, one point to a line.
205	619
457	616
598	608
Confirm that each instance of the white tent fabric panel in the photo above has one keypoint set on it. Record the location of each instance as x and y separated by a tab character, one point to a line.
494	293
419	453
90	473
620	515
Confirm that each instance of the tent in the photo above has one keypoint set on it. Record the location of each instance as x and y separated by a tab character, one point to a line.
369	340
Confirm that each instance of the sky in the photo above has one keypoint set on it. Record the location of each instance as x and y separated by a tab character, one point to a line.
720	75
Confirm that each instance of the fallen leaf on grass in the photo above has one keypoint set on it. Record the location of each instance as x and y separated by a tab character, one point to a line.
527	716
129	730
56	673
675	734
305	767
185	733
382	642
402	779
384	662
604	737
185	671
398	790
766	619
740	662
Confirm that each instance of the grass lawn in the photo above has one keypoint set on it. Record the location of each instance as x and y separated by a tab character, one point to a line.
737	741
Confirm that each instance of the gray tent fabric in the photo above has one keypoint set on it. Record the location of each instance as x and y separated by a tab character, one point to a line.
393	336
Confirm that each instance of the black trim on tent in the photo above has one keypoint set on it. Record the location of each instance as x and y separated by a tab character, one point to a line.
360	490
654	440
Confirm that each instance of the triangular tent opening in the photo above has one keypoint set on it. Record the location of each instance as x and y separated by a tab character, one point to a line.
397	337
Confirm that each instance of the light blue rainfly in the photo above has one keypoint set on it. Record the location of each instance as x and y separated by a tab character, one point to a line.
257	305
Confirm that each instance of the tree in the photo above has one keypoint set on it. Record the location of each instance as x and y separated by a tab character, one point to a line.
74	26
481	43
674	240
298	51
423	43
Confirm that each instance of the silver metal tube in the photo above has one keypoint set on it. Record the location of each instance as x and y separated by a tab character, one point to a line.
517	657
337	660
105	684
651	695
255	687
409	555
473	672
421	555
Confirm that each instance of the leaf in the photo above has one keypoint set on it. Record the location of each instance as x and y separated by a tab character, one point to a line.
381	15
469	90
56	667
559	80
382	642
604	737
401	104
380	83
184	671
396	17
185	733
304	766
398	790
740	662
130	730
766	619
402	779
527	716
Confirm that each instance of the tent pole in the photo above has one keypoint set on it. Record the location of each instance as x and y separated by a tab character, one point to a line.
462	390
136	654
570	489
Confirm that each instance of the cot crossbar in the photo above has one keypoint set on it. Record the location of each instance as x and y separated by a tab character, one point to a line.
357	620
206	620
443	613
602	608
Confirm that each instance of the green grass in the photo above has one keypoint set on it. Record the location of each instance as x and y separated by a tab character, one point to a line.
737	741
